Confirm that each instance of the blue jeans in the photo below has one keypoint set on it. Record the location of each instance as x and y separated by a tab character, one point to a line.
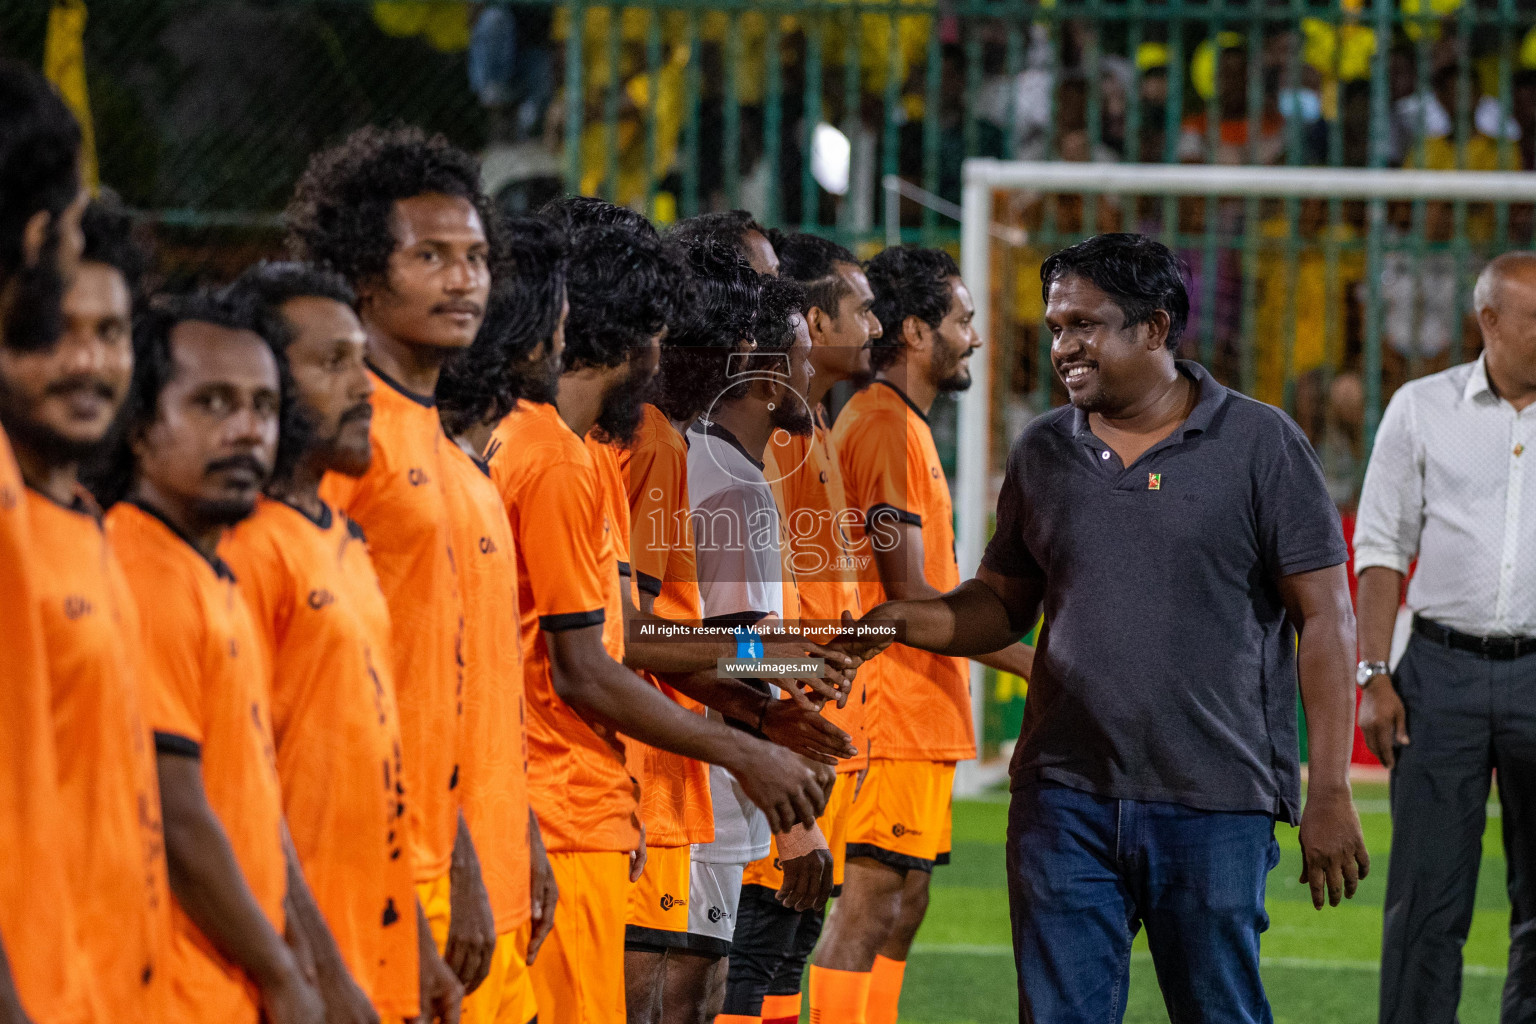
1086	872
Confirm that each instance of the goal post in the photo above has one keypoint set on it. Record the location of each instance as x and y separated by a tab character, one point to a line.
982	178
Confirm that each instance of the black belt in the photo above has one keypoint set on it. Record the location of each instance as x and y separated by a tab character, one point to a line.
1494	648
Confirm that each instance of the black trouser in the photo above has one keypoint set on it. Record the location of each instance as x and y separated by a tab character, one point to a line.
1467	716
769	951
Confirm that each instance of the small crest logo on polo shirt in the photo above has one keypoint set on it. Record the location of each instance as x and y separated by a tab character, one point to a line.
1154	481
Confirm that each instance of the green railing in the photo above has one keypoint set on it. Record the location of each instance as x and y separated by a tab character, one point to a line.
206	110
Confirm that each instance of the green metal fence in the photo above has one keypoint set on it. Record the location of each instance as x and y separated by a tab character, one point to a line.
206	110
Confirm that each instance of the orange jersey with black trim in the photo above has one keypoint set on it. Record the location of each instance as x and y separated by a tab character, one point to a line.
567	577
117	873
817	523
495	726
920	705
674	790
322	619
207	685
37	915
402	506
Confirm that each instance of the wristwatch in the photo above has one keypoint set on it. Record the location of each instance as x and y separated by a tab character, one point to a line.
1368	670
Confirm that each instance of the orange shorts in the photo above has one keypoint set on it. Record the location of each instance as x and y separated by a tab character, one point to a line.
658	903
579	975
506	994
902	815
834	825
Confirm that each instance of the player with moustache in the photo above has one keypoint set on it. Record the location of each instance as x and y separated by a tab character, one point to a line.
200	435
402	218
305	571
41	203
59	406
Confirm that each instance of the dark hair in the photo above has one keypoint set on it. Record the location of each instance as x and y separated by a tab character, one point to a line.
695	357
728	226
274	282
772	329
154	367
1140	274
576	212
482	383
108	231
624	287
907	281
812	261
39	157
340	216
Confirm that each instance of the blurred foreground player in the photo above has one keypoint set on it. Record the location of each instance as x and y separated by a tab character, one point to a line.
200	438
304	570
402	218
60	404
41	976
920	719
579	693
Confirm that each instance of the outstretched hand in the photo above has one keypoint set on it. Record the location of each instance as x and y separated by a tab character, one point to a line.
868	643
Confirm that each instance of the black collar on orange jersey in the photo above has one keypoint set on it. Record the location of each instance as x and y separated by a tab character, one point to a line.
427	401
220	567
920	414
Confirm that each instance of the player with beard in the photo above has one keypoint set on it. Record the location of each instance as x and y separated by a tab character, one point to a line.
666	974
60	404
919	720
40	206
766	970
744	580
200	436
305	572
402	218
580	695
735	228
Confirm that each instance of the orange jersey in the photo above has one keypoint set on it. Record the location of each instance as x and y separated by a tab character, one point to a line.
402	506
207	682
93	636
322	619
567	578
674	790
37	919
496	744
920	702
818	524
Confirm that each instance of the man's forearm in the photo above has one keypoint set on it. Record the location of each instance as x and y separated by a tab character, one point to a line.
969	621
1018	659
304	915
1379	597
209	886
615	695
731	697
1325	655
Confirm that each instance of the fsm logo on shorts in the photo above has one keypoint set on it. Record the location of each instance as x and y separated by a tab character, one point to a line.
898	830
717	914
668	901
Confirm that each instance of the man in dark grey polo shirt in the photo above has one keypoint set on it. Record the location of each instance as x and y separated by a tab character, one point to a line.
1180	539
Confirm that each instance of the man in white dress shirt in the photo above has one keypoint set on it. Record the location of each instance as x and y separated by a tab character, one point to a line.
1446	487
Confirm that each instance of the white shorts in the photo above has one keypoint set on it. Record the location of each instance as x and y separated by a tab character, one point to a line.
714	893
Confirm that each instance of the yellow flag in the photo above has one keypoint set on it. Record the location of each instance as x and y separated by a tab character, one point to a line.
64	64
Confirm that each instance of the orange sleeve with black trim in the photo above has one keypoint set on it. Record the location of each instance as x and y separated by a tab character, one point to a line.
563	547
876	466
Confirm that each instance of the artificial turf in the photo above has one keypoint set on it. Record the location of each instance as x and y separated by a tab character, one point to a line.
1320	966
